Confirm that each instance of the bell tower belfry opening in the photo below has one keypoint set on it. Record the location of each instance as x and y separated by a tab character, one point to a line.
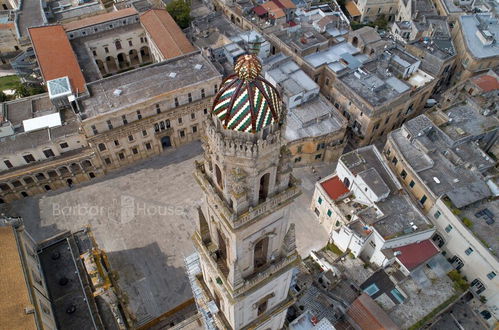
245	244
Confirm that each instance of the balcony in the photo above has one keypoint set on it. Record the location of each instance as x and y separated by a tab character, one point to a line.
209	253
208	186
270	205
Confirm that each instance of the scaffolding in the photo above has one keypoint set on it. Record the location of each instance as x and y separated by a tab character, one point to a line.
204	307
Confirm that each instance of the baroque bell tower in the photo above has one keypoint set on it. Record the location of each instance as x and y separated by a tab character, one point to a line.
245	245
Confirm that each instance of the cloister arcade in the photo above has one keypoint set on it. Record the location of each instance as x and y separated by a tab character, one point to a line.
124	60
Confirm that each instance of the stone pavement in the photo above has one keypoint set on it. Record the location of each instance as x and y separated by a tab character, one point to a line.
143	217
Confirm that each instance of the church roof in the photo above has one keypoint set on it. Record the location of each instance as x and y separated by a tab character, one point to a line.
246	102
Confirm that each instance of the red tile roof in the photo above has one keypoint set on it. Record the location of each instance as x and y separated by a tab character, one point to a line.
165	33
97	19
260	11
487	82
415	254
369	316
334	187
285	4
55	55
274	10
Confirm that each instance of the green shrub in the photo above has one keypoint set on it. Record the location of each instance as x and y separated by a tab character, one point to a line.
333	248
460	282
467	222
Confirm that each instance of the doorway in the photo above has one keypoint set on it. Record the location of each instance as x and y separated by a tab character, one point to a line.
166	142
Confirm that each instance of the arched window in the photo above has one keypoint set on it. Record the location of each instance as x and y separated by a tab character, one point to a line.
438	240
260	252
4	187
477	286
86	164
346	182
457	262
264	187
75	168
63	170
218	174
355	41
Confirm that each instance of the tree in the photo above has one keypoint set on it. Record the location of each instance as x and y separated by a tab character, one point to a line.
22	90
381	22
3	97
180	11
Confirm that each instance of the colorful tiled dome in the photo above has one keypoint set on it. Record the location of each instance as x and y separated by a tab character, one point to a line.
246	102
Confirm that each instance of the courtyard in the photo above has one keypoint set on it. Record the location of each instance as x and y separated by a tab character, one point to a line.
143	217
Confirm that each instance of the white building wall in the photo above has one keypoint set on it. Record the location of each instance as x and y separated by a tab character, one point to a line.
326	205
374	252
345	239
476	265
409	238
357	185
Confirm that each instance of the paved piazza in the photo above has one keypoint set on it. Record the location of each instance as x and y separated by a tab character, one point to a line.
143	217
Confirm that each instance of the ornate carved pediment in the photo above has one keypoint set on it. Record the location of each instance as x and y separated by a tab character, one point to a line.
237	181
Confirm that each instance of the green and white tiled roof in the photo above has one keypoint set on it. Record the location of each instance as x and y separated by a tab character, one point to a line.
246	102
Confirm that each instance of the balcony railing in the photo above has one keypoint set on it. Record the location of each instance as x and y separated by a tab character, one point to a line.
270	205
248	282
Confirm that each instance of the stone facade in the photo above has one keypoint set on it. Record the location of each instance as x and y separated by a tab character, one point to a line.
46	159
372	9
321	149
470	59
246	245
152	124
247	185
397	89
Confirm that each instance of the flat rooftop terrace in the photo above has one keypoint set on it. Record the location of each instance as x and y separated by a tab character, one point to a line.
26	140
374	88
144	83
466	121
331	55
470	28
313	118
436	170
440	165
302	39
399	214
367	158
63	273
488	233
